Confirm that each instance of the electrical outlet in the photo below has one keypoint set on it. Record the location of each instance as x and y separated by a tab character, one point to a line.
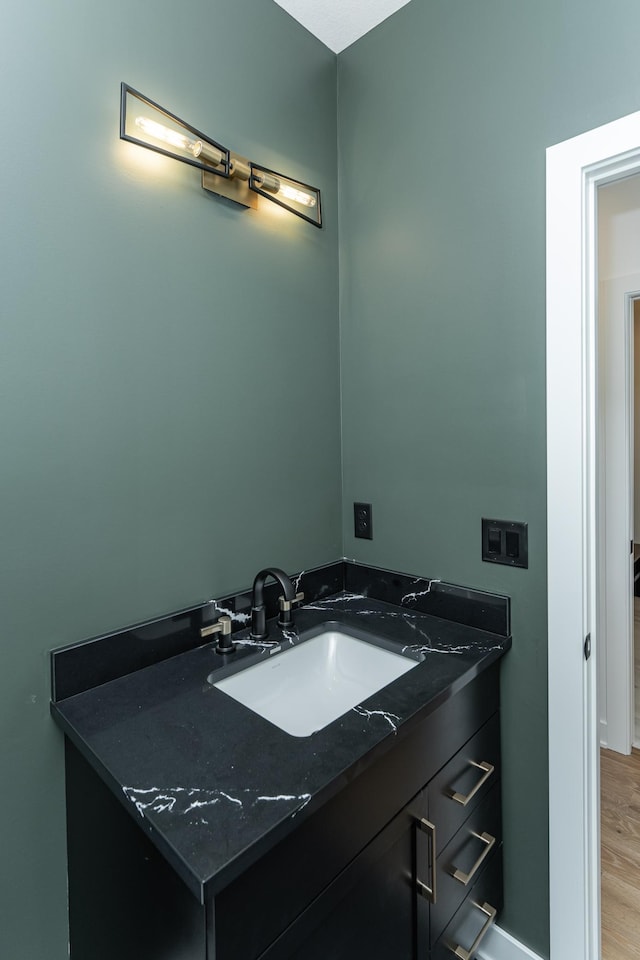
362	527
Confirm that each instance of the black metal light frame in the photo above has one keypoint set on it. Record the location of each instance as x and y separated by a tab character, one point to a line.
253	185
222	170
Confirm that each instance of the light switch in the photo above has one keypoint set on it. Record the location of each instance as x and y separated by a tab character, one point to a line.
505	541
494	540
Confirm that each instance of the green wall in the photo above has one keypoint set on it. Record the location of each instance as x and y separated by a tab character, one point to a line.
169	399
445	112
169	366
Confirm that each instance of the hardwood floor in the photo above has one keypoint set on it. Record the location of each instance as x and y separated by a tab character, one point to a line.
620	852
636	668
620	836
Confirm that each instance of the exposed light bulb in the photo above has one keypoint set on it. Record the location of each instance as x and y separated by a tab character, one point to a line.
298	196
274	185
160	132
197	148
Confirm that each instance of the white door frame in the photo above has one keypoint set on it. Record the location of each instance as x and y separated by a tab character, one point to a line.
575	169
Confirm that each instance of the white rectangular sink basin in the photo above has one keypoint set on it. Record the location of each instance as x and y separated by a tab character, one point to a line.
306	687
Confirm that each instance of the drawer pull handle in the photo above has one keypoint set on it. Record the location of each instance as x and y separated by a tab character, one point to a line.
489	842
490	912
429	893
488	770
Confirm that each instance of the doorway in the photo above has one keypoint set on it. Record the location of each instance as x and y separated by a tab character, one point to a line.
618	380
575	170
618	265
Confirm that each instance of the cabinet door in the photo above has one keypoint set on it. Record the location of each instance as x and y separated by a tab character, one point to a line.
368	912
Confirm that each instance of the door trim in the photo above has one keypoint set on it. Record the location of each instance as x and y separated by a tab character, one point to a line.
575	169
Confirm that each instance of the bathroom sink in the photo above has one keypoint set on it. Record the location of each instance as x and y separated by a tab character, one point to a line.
303	688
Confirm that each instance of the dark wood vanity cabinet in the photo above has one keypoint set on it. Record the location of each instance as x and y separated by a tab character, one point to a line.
428	885
402	863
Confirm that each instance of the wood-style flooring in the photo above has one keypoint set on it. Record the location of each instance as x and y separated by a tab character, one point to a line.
620	852
620	836
636	666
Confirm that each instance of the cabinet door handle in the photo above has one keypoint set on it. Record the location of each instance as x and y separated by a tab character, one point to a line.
488	770
428	892
490	912
489	842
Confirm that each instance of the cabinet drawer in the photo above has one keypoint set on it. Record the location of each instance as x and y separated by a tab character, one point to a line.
464	858
467	929
465	781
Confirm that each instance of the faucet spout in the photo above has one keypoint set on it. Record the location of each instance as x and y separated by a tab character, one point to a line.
258	611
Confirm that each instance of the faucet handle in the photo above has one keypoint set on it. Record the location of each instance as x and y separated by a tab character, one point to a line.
284	620
285	605
222	626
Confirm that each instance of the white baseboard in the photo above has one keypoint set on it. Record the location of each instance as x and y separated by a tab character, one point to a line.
604	740
500	945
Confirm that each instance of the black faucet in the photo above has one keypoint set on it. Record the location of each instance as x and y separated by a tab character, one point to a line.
258	610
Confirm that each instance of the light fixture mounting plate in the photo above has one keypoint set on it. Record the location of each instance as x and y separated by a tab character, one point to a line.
233	188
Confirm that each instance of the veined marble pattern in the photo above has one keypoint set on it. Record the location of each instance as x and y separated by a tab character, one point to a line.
189	801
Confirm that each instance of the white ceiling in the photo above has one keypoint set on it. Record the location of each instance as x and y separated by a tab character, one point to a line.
338	23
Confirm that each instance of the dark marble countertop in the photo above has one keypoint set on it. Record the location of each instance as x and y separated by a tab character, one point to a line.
215	785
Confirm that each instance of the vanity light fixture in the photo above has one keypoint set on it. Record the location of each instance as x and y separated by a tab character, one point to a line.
146	123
